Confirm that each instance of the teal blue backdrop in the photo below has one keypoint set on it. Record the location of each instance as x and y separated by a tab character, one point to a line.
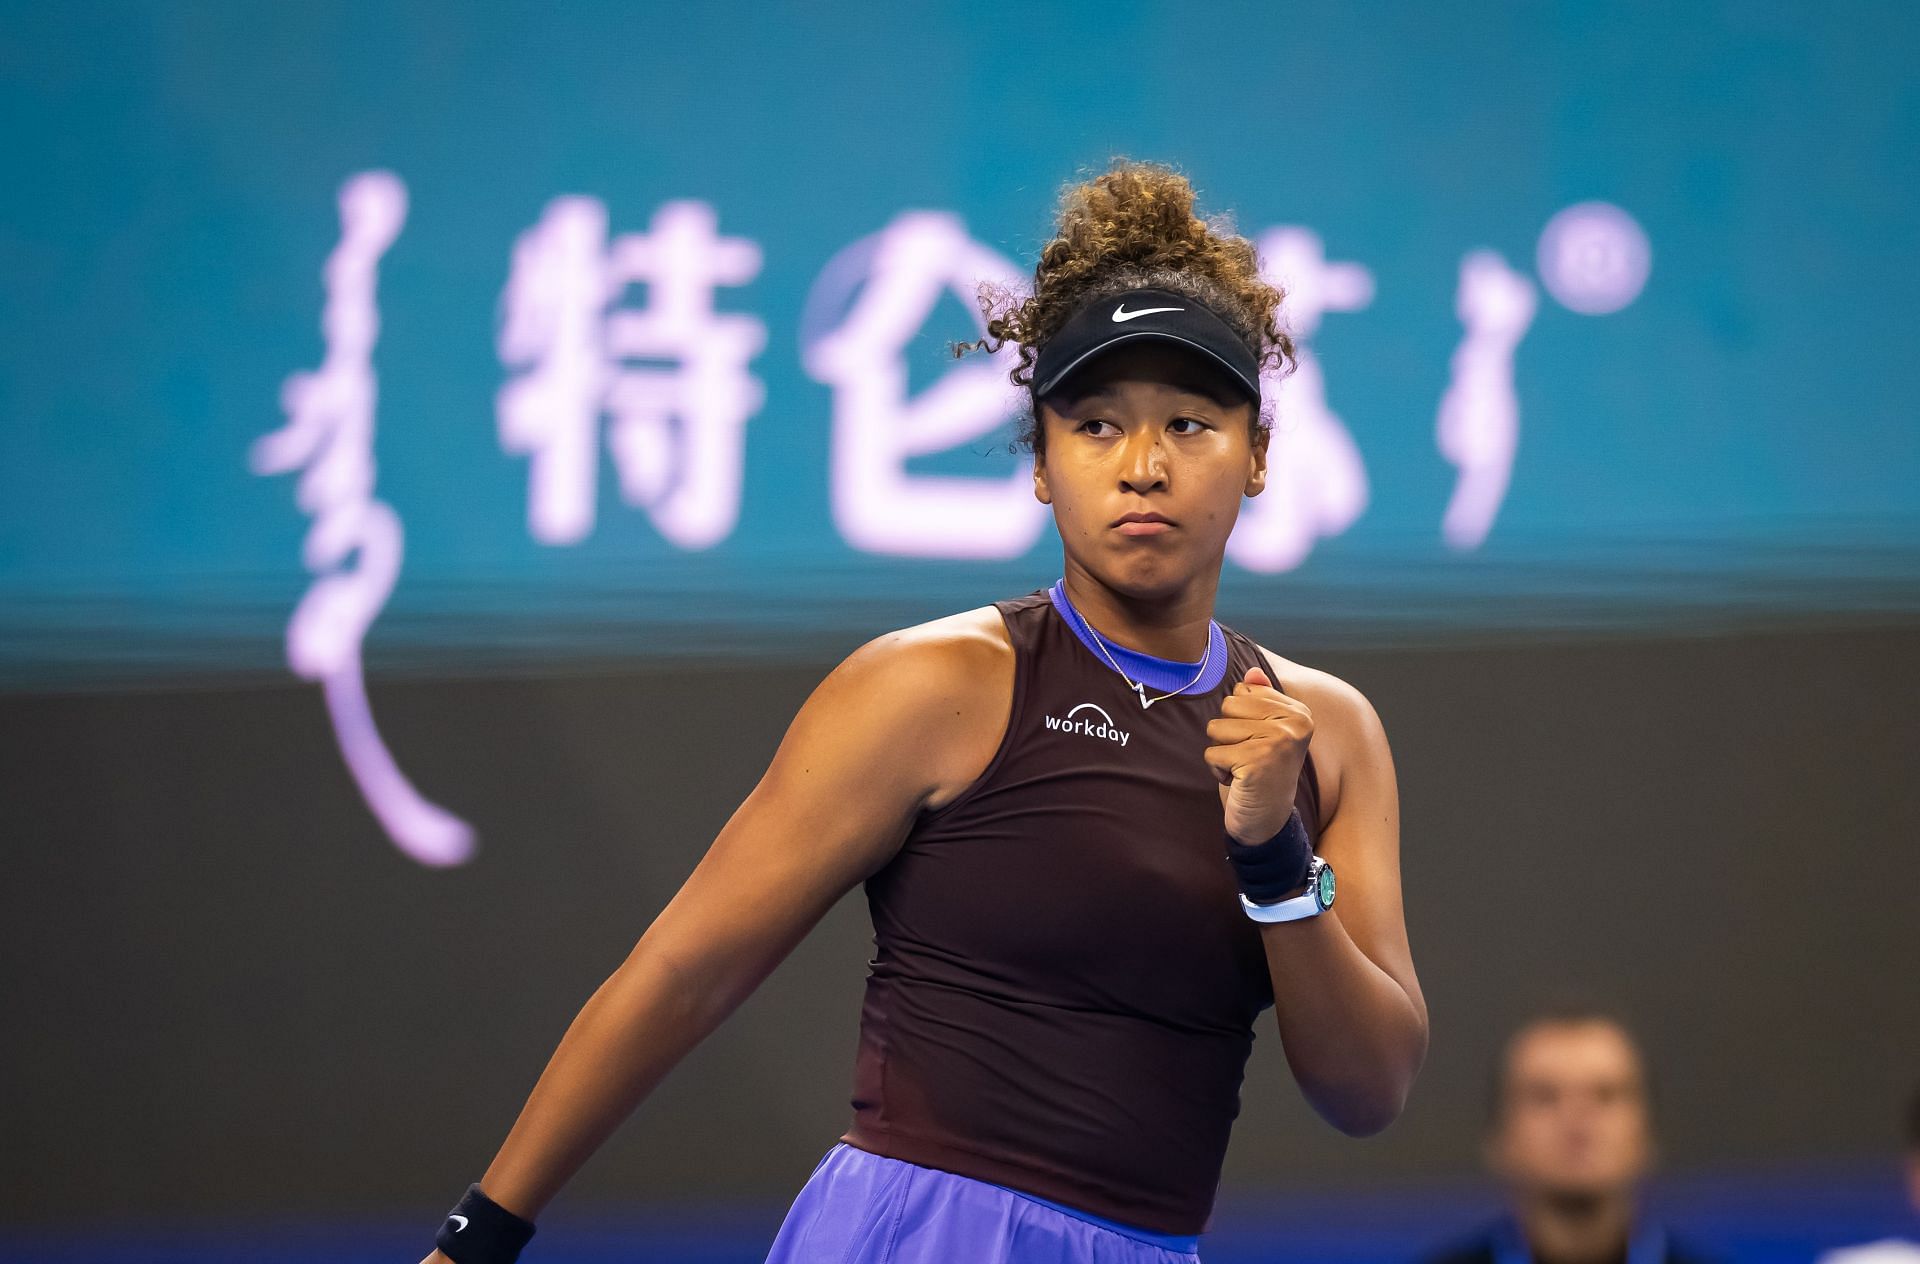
1737	440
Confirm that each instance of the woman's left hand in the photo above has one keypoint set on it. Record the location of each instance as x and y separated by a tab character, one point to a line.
1260	745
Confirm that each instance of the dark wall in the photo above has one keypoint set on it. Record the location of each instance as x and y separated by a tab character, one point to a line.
226	992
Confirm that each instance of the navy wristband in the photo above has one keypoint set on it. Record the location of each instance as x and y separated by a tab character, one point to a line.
1268	871
480	1231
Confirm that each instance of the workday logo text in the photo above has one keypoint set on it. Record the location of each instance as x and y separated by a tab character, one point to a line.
1099	724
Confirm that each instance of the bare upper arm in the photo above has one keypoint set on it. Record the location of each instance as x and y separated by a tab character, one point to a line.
1360	836
903	723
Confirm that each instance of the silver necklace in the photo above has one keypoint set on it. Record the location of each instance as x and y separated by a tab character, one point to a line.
1100	643
1141	689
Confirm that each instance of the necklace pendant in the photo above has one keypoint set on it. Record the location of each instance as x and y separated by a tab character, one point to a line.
1141	690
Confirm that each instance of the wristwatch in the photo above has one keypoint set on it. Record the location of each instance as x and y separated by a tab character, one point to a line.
1315	900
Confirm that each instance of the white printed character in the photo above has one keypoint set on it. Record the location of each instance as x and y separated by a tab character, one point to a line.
1316	480
878	292
1478	429
354	545
673	375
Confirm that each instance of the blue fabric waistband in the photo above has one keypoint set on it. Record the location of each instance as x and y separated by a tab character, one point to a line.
1187	1242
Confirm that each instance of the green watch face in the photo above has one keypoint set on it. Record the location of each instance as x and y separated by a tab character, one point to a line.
1324	888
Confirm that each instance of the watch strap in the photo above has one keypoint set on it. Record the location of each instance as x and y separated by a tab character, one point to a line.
1294	908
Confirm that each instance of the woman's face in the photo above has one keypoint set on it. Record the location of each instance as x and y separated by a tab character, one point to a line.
1150	428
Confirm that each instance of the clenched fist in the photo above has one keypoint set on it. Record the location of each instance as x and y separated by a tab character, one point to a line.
1260	745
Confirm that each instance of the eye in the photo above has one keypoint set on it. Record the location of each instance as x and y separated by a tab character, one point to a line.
1190	421
1094	421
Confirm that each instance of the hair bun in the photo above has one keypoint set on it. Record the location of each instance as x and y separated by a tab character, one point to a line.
1134	226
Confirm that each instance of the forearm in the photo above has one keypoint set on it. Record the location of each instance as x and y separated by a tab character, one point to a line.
630	1033
1354	1036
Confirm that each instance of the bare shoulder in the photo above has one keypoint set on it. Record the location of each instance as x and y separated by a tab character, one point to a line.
943	689
1312	685
1346	729
884	734
951	655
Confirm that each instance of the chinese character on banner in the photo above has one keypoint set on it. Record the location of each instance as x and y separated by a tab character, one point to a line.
1316	482
671	376
1479	423
877	293
354	544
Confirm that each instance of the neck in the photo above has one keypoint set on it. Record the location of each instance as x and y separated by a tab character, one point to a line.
1174	626
1577	1230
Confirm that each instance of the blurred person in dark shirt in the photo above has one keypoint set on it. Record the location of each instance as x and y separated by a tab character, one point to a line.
1570	1135
1893	1250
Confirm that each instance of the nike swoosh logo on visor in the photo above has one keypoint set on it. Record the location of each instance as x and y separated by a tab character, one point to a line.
1121	313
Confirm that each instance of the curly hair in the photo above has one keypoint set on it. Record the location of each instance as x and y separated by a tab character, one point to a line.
1130	227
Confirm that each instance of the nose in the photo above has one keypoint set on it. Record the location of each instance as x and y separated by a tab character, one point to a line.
1143	463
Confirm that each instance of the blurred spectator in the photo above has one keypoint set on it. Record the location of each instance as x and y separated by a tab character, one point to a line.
1570	1135
1893	1250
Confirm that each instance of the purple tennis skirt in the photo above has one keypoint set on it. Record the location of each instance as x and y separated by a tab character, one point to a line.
861	1208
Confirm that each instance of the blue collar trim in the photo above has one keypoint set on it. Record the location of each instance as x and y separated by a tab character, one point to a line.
1161	675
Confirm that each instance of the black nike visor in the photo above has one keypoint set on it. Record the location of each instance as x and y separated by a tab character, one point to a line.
1166	315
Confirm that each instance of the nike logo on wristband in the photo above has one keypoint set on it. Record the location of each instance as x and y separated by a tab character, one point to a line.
461	1225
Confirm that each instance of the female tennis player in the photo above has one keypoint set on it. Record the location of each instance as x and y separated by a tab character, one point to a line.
1098	832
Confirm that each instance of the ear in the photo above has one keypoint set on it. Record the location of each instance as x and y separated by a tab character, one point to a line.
1491	1154
1041	492
1257	464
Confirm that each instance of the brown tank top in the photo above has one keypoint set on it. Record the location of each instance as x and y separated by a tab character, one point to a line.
1064	986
